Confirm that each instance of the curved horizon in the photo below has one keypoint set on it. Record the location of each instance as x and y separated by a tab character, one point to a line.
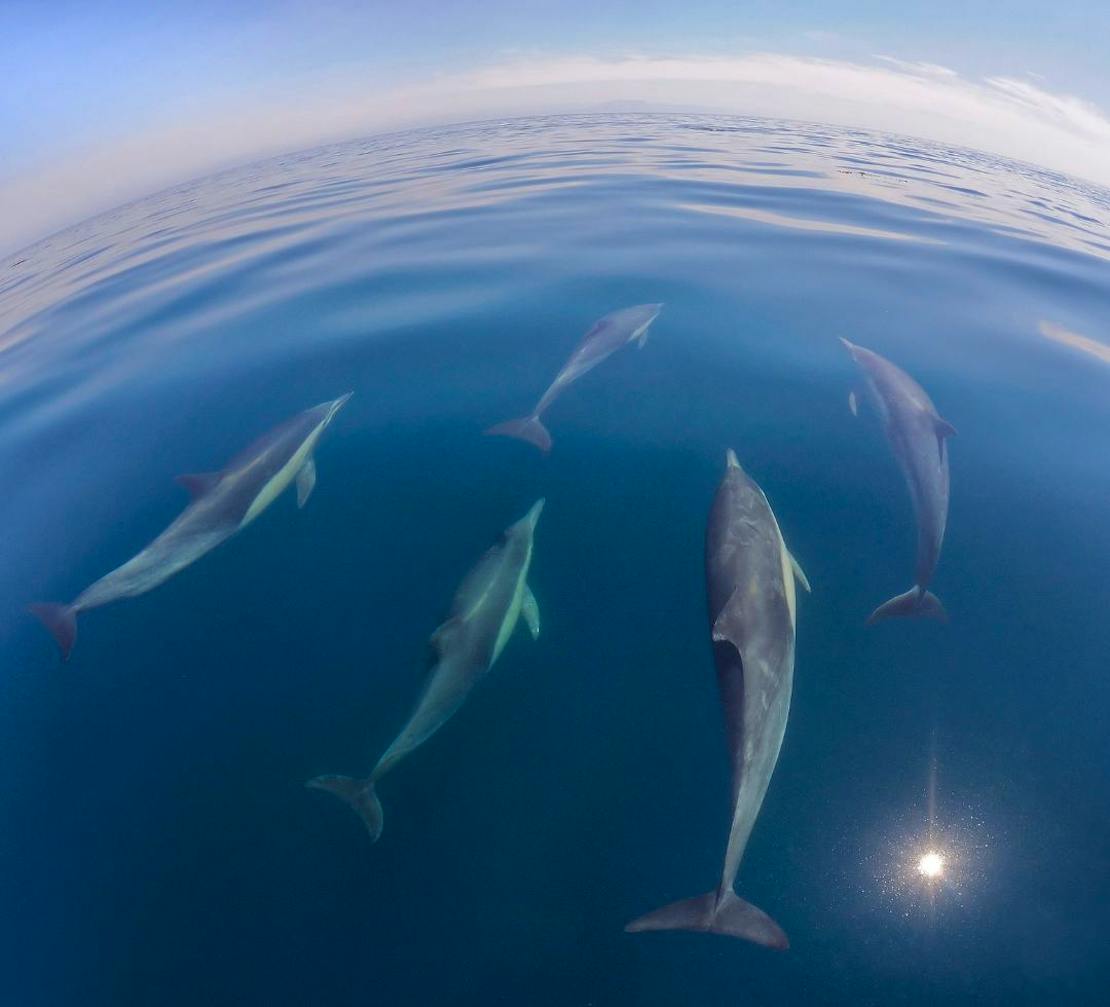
1001	115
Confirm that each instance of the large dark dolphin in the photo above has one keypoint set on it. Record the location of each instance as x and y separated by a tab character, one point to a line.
223	503
917	435
749	575
607	335
484	613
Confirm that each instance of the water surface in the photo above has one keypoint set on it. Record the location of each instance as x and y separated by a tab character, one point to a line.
157	843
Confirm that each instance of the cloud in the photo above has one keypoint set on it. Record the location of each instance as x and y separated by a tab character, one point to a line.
918	68
1003	115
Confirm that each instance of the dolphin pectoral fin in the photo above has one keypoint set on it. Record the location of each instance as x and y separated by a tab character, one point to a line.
197	483
800	574
853	402
358	795
730	915
912	603
306	481
641	339
531	612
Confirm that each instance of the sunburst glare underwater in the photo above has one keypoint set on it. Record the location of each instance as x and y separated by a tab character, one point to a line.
634	694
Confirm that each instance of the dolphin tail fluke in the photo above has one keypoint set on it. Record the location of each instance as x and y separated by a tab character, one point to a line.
61	620
913	603
527	428
358	795
712	914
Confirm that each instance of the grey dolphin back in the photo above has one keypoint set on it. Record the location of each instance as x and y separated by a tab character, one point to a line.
917	435
607	335
221	504
750	586
484	609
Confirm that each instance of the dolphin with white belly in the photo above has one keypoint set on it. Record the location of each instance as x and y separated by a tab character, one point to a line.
485	611
750	577
918	437
605	337
223	503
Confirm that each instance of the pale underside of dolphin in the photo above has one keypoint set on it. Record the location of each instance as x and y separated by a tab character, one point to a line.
918	437
223	503
605	337
485	611
750	578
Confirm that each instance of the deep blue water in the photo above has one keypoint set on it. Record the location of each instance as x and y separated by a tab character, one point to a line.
156	843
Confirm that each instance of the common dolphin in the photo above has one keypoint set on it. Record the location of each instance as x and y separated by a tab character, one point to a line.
606	336
223	502
917	435
484	613
749	575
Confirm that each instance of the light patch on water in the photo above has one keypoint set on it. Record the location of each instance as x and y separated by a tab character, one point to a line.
803	224
1058	334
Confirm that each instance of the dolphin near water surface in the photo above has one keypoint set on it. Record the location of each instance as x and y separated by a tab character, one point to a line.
918	436
605	337
485	611
750	577
223	503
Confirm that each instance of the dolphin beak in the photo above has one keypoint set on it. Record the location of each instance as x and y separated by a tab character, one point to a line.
335	405
731	460
533	516
851	347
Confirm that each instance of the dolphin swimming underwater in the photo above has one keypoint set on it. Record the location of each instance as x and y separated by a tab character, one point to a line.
484	613
917	435
749	576
606	336
223	502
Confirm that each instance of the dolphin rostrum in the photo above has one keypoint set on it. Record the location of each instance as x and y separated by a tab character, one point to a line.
223	502
917	435
484	613
749	576
607	335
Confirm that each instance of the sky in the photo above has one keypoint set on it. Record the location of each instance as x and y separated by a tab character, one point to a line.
106	102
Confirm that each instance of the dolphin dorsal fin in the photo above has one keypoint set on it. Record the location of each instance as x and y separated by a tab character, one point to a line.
723	631
441	637
944	429
198	483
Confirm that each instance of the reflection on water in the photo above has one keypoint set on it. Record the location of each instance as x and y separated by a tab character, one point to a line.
1057	333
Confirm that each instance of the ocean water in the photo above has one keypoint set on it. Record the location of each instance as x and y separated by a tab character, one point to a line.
157	845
